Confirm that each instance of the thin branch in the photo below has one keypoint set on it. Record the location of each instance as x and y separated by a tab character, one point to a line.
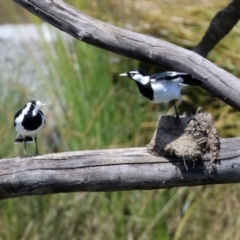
112	170
221	25
138	46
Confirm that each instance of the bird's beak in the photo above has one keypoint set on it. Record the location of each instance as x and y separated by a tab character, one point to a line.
123	75
43	104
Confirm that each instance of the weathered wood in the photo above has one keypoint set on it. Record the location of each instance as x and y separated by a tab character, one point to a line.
138	46
113	170
220	26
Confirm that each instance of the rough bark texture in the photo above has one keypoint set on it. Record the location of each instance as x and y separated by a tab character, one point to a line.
189	140
113	170
220	26
144	48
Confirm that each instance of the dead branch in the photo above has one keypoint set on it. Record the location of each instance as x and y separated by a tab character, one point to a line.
221	25
113	170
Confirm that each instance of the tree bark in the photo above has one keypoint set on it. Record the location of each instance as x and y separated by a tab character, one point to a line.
144	48
113	170
221	25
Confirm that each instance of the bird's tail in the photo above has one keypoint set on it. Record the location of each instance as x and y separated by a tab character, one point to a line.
21	138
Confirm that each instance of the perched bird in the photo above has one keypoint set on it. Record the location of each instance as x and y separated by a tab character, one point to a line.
160	87
28	122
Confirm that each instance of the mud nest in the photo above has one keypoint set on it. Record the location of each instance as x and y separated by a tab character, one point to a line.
189	140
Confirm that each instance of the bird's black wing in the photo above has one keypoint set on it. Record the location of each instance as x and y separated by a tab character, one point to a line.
17	115
169	76
159	76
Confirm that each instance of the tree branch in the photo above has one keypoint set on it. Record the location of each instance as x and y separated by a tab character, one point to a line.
144	48
113	170
221	25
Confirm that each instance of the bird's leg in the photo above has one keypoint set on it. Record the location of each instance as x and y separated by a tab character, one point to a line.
177	120
25	149
37	153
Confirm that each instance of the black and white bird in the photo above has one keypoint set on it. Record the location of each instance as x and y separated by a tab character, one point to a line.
28	122
160	87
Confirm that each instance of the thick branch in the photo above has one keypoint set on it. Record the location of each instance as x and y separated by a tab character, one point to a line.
112	170
221	25
144	48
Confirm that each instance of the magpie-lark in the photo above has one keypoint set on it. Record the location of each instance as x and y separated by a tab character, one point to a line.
28	122
161	87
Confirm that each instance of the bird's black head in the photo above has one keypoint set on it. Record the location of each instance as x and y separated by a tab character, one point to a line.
135	75
32	105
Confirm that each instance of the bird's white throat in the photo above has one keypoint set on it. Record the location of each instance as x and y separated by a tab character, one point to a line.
141	79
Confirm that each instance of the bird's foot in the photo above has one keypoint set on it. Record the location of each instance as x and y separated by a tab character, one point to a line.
36	154
177	121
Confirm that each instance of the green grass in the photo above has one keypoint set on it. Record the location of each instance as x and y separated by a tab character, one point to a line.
90	107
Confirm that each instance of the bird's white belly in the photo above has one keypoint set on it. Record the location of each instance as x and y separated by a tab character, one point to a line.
21	130
167	91
25	132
